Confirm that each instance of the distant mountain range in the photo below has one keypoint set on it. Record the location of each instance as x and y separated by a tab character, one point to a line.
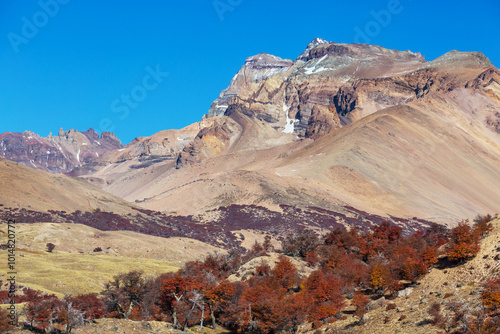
57	154
383	131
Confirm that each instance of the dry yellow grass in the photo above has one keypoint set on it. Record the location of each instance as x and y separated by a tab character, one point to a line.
123	243
72	273
74	268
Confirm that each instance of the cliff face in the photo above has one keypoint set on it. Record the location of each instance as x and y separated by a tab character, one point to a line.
57	154
331	84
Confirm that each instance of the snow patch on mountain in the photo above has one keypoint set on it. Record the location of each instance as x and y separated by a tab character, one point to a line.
290	122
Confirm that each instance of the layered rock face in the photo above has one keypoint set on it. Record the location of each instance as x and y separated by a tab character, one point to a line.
164	145
331	84
57	154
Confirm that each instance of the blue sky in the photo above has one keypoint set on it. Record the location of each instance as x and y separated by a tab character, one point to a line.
80	60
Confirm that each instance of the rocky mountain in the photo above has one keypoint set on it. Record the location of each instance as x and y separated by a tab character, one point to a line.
167	143
343	125
57	154
384	131
330	84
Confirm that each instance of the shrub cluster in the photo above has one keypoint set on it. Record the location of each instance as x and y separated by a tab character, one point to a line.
346	264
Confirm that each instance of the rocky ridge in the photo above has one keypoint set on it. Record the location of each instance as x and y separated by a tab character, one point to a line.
57	154
332	84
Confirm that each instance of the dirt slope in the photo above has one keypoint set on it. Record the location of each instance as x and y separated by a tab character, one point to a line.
24	187
437	159
426	158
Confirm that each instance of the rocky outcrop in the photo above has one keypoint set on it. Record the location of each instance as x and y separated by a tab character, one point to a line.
321	122
485	79
164	145
210	141
251	79
330	85
345	100
327	49
384	131
314	43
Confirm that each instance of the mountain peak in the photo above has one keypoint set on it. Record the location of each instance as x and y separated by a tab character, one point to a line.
91	134
314	43
317	41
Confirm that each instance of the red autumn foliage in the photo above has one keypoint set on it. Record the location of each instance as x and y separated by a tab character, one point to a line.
273	300
263	269
436	235
5	325
312	259
408	263
360	300
53	315
331	258
300	243
323	288
265	307
175	288
322	291
482	225
125	293
490	297
354	272
387	232
285	273
260	304
218	297
430	256
90	305
464	242
340	237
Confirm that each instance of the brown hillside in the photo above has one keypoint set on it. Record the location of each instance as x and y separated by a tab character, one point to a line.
24	187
